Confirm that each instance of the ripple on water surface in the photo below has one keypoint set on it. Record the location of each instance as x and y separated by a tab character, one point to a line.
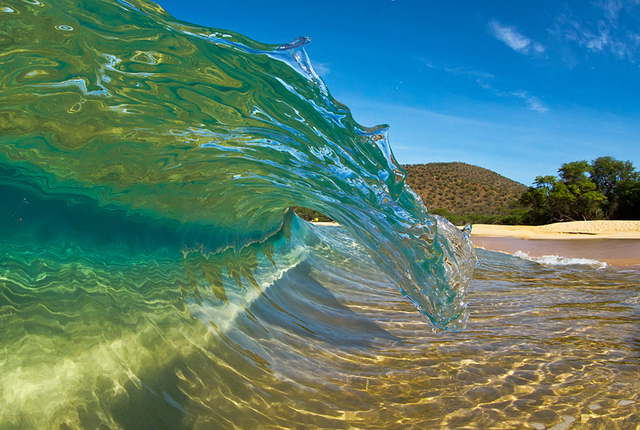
152	274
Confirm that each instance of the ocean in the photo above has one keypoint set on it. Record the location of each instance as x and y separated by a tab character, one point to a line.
153	274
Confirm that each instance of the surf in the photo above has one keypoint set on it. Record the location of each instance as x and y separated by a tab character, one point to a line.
211	137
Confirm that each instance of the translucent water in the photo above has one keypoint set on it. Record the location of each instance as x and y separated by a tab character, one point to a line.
329	344
118	109
153	275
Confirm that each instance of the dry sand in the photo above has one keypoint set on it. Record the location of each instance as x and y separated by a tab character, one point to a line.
563	230
330	223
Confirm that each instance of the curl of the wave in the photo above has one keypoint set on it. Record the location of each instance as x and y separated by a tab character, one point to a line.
215	132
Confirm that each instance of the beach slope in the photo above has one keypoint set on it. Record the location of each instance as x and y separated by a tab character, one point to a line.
616	243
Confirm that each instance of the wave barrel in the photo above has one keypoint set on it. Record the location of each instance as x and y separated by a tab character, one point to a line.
208	139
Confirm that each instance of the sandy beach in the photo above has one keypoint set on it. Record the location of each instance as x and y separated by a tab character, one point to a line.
615	242
563	230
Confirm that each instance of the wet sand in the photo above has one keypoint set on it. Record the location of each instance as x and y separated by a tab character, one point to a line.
615	242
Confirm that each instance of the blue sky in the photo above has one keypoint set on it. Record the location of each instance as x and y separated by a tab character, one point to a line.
516	87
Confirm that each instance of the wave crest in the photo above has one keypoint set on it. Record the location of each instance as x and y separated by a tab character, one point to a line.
153	117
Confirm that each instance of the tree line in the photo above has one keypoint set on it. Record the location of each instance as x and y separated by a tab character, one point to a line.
606	188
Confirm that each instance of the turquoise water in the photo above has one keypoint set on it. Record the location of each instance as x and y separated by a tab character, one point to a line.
153	274
118	109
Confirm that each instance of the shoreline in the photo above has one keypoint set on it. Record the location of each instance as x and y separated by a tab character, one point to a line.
616	243
557	231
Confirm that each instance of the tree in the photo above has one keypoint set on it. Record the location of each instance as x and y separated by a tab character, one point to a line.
572	196
605	189
574	172
608	174
537	199
628	194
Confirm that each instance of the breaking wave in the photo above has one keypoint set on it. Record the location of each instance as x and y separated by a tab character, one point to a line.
557	260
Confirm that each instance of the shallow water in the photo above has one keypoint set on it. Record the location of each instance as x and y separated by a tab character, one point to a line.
330	344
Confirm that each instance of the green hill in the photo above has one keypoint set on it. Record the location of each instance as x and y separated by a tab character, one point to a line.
460	192
465	193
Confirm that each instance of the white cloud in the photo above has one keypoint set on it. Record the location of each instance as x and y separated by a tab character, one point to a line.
510	36
600	40
515	40
469	72
597	42
534	103
538	48
607	33
612	9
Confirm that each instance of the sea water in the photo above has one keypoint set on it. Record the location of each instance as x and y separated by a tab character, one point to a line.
153	275
90	341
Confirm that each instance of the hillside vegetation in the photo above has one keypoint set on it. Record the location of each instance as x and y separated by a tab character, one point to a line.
604	188
460	192
465	193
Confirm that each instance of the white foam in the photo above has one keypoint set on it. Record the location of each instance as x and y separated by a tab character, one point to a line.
557	260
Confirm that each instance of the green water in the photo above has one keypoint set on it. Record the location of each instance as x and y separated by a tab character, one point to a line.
119	107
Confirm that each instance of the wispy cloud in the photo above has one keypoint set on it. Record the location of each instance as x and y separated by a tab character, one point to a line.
533	103
613	32
485	80
322	69
461	71
612	8
515	40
